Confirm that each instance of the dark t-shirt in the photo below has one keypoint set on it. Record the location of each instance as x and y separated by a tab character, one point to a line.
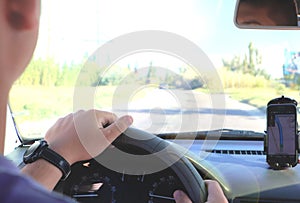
16	187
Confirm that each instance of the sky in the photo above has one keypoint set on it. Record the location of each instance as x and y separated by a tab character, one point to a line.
74	29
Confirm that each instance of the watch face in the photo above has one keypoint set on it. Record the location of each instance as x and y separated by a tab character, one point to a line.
31	153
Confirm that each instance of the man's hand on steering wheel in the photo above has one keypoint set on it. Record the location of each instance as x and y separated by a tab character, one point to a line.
83	135
215	194
78	136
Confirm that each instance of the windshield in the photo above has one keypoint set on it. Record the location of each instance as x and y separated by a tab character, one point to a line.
175	66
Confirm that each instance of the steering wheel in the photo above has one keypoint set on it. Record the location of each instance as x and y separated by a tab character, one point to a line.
137	152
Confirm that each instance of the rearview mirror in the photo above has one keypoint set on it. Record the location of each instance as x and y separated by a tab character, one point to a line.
264	14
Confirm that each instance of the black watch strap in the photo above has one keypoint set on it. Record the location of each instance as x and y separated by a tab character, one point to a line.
40	150
57	160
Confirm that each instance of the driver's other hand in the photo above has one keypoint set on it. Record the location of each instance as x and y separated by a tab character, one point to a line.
181	197
85	134
215	194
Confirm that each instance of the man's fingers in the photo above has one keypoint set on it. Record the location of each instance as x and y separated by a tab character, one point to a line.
215	192
116	128
181	197
104	118
213	187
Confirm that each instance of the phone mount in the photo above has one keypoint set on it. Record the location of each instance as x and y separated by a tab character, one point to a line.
282	100
281	141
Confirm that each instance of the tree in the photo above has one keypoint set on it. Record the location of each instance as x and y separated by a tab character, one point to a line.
250	64
46	72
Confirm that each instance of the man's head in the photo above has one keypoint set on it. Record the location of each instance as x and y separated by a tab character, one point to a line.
267	13
19	24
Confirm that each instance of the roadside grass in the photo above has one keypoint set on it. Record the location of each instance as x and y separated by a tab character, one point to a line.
255	90
259	97
36	103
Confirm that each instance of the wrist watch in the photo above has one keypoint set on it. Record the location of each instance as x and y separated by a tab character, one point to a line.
40	150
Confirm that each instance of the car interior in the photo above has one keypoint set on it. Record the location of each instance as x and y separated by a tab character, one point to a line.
213	87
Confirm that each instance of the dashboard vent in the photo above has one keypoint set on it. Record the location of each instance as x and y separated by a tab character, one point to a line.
237	152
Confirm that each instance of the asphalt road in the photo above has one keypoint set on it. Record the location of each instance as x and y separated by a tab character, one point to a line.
178	110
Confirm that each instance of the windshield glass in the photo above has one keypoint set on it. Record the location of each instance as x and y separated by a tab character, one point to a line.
175	66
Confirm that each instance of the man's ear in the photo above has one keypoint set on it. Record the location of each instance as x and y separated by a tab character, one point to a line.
22	14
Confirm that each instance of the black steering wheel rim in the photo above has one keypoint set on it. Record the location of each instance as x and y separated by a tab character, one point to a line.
170	155
143	151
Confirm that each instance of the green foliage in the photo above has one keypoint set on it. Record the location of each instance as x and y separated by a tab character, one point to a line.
68	75
280	88
234	79
46	72
249	64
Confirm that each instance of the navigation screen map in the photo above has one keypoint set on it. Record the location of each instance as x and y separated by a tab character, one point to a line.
282	134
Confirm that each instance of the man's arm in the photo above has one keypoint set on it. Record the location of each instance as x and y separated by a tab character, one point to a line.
43	172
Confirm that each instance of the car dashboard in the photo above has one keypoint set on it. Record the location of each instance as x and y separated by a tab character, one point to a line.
117	187
241	168
238	165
